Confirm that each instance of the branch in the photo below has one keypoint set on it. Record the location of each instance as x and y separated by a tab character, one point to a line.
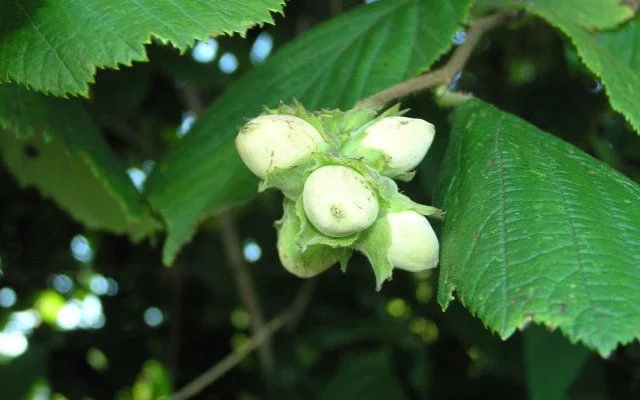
229	362
176	321
121	130
246	288
444	74
335	7
235	259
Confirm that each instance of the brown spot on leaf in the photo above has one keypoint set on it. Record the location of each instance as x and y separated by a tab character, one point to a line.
524	300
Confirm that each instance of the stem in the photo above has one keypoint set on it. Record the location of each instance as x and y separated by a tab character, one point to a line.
444	74
335	7
246	288
176	322
235	259
230	361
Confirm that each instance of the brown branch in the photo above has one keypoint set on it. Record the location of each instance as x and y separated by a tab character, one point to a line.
175	330
191	98
335	7
229	362
246	288
444	74
123	131
235	259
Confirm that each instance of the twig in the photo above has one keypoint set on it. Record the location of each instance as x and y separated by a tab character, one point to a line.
634	4
442	75
300	304
123	131
235	259
191	98
335	7
176	321
229	362
246	288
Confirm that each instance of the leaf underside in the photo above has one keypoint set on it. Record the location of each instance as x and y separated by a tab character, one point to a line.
53	145
537	230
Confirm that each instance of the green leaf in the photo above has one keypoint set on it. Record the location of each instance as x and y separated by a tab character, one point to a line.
537	230
552	363
53	145
624	43
367	376
56	46
621	82
332	65
590	14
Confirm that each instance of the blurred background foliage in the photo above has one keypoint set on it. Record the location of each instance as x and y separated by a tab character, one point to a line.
89	315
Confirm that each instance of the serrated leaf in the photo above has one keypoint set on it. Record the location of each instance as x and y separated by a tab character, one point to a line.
622	83
624	43
590	14
53	145
367	376
56	46
538	230
551	363
332	65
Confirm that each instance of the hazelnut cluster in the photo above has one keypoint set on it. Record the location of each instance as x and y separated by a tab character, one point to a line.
337	170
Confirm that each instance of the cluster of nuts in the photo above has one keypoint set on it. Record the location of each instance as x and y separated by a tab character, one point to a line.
337	170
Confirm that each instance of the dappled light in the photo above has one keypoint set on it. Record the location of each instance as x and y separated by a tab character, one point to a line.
7	297
205	52
251	251
153	316
12	344
62	282
261	48
188	119
137	177
228	63
460	37
81	249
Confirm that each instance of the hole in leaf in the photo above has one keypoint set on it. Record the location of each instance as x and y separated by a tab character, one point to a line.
31	152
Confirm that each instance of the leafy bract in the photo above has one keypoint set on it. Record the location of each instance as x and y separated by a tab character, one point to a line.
332	65
53	145
537	230
622	83
56	46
